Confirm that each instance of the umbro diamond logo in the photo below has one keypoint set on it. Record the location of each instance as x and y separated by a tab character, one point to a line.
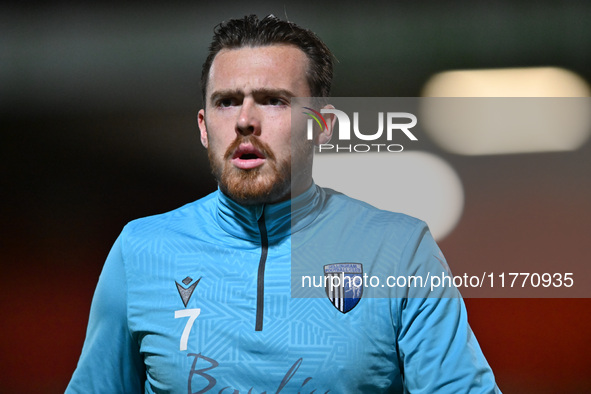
186	293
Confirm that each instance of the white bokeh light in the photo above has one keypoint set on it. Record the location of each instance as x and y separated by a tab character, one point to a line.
419	184
507	111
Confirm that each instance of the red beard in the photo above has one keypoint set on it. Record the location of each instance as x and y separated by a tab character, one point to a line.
265	184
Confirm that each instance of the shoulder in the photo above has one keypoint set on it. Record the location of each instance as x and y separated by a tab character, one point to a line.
187	219
361	213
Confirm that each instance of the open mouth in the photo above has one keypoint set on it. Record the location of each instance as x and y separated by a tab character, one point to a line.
247	157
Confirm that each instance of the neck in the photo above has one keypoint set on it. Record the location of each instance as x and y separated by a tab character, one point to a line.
281	218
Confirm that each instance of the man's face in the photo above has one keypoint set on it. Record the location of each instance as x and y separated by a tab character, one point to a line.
246	126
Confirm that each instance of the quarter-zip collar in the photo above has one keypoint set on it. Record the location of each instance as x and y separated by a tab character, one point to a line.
242	220
266	225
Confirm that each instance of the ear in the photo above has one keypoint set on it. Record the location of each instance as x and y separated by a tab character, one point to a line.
202	128
326	134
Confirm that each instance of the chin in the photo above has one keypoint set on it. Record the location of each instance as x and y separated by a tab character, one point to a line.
251	188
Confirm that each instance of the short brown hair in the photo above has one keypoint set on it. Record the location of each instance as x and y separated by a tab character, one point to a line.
252	32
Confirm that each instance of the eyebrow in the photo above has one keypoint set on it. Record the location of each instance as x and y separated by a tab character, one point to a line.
256	92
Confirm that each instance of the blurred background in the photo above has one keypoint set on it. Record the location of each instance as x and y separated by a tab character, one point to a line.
98	107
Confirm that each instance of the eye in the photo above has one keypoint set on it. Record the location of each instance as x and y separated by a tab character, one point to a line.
226	102
274	101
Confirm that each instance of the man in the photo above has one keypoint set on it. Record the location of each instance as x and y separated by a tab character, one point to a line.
198	300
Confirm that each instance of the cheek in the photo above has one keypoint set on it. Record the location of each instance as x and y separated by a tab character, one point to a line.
221	122
217	146
218	135
283	145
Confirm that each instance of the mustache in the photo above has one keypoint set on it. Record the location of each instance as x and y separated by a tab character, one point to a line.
261	146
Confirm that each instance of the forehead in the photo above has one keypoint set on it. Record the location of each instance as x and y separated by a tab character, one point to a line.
267	67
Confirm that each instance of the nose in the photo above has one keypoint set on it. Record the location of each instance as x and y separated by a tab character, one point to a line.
248	121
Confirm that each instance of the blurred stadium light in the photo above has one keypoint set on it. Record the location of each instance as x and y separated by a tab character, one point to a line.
417	183
481	112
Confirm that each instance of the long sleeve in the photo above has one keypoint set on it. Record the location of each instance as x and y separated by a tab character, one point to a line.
437	349
110	361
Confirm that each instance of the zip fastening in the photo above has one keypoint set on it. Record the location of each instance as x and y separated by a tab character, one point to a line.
261	274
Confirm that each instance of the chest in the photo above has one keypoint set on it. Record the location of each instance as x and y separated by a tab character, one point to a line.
194	317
